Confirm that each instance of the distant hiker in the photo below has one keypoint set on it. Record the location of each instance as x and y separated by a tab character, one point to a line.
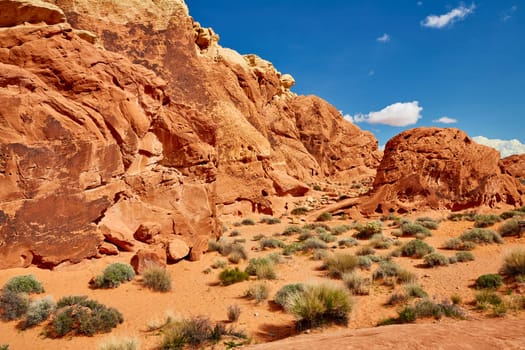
286	208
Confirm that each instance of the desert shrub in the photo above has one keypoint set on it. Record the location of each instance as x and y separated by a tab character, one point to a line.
119	344
4	346
326	216
235	257
514	263
368	230
340	229
464	256
157	279
416	249
270	220
219	264
306	234
380	242
258	237
428	222
510	228
455	299
282	295
316	225
313	243
235	233
327	237
290	230
319	254
386	269
275	257
233	312
231	276
254	263
414	290
365	250
430	308
458	244
271	243
347	242
113	275
23	284
510	214
37	312
364	261
299	211
339	264
486	220
406	276
319	304
357	284
479	236
486	298
292	248
247	222
398	297
266	272
411	229
489	281
13	305
435	259
78	315
257	292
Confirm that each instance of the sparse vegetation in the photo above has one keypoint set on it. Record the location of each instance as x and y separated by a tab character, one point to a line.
313	243
257	292
487	298
231	276
119	344
234	312
157	279
428	222
458	244
480	236
357	284
287	290
291	230
347	242
464	256
319	304
339	264
368	230
486	220
425	308
38	312
271	243
509	228
13	305
113	275
489	281
411	229
247	222
270	220
23	284
514	263
326	216
299	211
416	249
435	259
340	229
77	315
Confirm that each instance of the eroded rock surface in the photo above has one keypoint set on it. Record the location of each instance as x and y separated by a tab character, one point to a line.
440	169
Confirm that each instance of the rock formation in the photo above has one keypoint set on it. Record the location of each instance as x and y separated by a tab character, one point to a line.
440	169
126	122
514	166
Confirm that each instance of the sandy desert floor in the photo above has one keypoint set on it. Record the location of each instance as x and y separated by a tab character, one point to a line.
198	293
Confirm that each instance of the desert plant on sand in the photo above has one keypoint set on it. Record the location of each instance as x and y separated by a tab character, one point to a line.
416	249
510	228
339	264
514	263
489	281
38	312
119	344
356	284
486	220
258	292
368	230
282	295
157	279
435	259
410	229
13	305
324	217
233	312
319	304
231	276
23	284
479	236
113	275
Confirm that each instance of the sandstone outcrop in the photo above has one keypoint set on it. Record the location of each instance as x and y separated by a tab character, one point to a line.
440	169
514	166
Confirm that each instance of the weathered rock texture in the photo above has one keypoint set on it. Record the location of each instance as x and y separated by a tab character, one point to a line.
514	166
440	169
130	124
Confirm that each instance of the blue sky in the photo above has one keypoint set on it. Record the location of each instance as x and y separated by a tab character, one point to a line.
384	63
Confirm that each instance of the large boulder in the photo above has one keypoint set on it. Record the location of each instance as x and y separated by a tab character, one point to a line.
440	169
15	12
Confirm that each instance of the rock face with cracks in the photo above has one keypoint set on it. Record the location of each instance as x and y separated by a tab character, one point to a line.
440	169
126	123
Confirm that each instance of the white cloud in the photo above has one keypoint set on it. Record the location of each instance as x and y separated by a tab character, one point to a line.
384	38
446	120
448	18
371	72
397	114
507	14
505	147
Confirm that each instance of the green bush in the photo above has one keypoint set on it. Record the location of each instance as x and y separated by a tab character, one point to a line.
23	284
435	259
347	242
386	269
368	230
258	292
489	281
299	211
458	244
255	263
113	275
380	242
414	290
77	315
157	279
510	214
411	229
282	295
510	228
270	220
416	249
479	236
313	243
487	298
13	305
235	233
339	264
233	312
327	237
514	263
464	256
326	216
340	229
486	220
290	230
247	222
358	285
271	243
428	222
231	276
319	304
38	312
292	248
119	344
364	261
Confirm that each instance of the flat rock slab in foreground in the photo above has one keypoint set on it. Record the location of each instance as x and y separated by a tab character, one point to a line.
486	334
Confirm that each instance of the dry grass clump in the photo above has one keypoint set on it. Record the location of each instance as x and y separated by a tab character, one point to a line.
233	312
368	230
258	292
435	259
339	264
486	220
357	284
157	279
510	228
514	263
416	249
119	344
231	276
480	236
